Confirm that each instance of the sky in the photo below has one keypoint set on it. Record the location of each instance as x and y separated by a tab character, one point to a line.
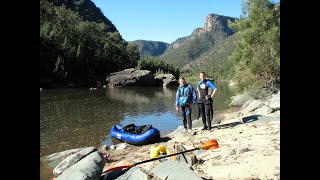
163	20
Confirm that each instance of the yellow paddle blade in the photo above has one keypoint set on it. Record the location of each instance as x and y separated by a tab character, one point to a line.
210	145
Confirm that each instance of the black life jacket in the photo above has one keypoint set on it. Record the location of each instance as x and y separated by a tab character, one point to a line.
133	129
204	89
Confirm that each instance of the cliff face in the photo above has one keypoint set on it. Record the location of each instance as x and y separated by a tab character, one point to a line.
213	22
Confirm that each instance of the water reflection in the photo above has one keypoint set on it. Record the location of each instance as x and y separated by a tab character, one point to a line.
75	118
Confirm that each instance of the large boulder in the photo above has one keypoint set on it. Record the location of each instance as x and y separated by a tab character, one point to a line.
275	101
130	77
132	174
251	107
72	159
82	164
88	168
55	159
174	170
166	80
240	99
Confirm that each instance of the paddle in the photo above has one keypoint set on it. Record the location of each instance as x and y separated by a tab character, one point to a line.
209	145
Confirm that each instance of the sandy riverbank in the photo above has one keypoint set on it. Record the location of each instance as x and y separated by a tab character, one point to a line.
248	150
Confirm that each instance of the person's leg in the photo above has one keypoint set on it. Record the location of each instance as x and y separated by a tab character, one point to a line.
203	115
188	114
184	118
213	120
208	115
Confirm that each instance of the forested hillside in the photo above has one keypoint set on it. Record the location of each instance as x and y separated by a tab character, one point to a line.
214	61
87	10
250	56
78	45
186	50
151	48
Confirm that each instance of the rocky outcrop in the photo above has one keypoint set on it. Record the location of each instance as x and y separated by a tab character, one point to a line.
71	160
218	22
130	77
83	164
174	170
88	168
240	99
275	101
213	22
166	80
197	31
264	106
54	159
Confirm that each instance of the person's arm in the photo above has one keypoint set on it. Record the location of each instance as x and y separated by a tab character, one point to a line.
213	87
194	95
198	90
177	102
214	92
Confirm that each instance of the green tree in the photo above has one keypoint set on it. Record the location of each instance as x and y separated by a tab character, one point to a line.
74	49
157	66
257	53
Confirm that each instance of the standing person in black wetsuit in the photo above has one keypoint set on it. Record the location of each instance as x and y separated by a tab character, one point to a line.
205	100
186	96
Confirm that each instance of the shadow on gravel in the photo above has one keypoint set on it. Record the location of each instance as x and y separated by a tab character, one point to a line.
164	139
247	119
229	125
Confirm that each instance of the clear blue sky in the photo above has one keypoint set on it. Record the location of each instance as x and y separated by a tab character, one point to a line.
163	20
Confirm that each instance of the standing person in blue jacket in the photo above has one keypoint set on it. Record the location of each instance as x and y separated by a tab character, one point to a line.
205	100
186	96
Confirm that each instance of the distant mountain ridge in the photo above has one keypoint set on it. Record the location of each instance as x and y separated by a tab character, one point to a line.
186	50
213	22
152	48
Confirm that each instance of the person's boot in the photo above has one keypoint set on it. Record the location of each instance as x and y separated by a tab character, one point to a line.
204	124
190	124
209	123
184	124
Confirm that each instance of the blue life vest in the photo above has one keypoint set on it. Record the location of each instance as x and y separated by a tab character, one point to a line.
185	95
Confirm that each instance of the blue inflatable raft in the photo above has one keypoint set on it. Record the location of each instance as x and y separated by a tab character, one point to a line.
136	135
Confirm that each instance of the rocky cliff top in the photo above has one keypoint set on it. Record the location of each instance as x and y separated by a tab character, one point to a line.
213	22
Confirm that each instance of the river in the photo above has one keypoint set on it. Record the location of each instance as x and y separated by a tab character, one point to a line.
76	118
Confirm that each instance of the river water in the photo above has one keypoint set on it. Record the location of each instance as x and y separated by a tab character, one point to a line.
76	118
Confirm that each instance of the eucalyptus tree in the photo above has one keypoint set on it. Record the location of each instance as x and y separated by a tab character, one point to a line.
257	53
